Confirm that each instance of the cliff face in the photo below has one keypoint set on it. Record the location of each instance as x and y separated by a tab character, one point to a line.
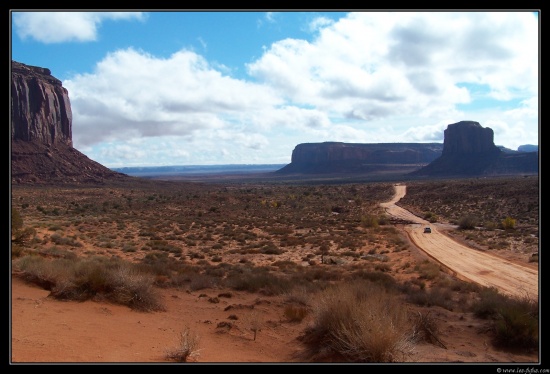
469	150
40	106
337	157
467	137
41	133
406	153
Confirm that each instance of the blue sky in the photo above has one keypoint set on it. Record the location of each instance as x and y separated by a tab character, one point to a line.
205	88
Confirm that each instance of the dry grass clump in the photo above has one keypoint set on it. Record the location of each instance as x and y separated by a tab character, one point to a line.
95	277
295	313
359	322
187	348
515	321
425	329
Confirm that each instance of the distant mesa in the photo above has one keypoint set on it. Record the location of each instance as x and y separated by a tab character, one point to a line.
337	157
528	148
41	132
468	150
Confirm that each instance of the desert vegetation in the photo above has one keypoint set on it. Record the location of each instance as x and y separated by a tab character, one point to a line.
500	213
343	268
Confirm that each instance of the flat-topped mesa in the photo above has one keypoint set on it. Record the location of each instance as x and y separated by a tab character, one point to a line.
379	153
40	106
468	137
339	157
468	150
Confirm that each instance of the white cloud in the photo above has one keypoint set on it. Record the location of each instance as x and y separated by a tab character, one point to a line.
57	27
369	77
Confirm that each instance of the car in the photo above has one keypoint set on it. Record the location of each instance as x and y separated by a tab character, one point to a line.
427	230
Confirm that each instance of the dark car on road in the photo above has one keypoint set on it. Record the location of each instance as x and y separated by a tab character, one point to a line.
427	230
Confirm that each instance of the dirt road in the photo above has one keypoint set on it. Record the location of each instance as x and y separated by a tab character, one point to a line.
467	263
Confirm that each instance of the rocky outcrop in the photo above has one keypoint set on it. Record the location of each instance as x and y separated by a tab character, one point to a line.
40	106
468	137
338	157
41	133
469	150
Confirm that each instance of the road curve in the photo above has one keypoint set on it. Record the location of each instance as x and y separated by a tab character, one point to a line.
467	263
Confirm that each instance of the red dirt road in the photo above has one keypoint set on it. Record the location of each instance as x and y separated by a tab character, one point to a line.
468	264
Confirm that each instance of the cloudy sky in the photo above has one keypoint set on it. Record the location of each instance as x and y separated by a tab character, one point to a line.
209	88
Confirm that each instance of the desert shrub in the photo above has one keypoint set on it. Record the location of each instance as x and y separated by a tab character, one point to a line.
358	322
187	347
508	223
271	249
16	220
425	329
385	280
63	240
428	270
202	281
516	321
42	272
82	279
295	313
490	225
19	233
488	304
383	220
17	251
468	222
517	324
258	280
430	217
434	297
369	220
129	247
134	289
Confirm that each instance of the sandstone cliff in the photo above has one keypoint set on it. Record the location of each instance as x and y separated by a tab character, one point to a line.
40	106
41	132
469	150
337	157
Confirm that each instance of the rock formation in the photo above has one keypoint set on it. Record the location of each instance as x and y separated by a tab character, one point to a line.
469	150
41	132
468	137
338	157
40	106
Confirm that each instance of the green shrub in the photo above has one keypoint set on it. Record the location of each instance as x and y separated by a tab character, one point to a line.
369	221
468	222
516	325
508	223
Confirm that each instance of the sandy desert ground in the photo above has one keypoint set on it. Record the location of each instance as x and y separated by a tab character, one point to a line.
46	330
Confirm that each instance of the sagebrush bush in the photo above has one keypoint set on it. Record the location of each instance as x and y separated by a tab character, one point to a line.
83	279
468	222
515	321
295	313
358	322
